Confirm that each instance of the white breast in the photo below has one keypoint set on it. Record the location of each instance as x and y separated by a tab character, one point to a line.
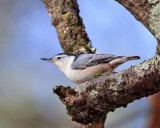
81	75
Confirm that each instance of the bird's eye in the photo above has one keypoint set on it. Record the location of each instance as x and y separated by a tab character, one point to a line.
58	58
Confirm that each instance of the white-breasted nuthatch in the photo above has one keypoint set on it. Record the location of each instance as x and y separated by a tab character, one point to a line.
80	68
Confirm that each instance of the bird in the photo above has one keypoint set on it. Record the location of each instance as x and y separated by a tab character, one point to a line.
81	68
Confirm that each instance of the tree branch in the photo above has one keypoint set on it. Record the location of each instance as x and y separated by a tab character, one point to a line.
71	31
92	100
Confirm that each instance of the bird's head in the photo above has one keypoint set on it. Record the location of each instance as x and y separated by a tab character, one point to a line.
61	60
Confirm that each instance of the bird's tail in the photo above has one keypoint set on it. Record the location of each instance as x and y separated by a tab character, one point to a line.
120	60
133	57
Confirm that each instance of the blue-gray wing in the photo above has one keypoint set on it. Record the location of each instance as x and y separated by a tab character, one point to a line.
86	60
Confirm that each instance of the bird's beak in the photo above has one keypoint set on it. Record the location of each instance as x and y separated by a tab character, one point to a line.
46	59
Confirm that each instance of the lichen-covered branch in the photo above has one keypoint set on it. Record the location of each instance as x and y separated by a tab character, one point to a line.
90	101
70	28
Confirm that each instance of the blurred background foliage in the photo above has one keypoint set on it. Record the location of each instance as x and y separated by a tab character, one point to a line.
26	82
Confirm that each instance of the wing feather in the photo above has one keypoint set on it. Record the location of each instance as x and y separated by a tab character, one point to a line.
86	60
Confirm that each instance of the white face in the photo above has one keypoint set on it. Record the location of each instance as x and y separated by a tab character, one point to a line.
62	60
59	60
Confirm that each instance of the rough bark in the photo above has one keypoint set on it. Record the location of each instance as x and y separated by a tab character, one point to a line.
70	28
91	101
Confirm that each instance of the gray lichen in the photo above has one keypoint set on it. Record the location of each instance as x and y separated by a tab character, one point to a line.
113	85
157	60
153	1
87	47
81	88
143	66
154	20
93	92
83	50
119	78
146	64
91	48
